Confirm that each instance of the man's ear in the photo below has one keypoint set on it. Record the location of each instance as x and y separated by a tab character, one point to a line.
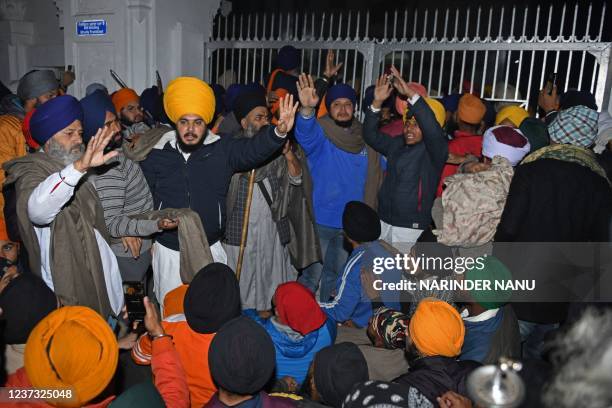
244	123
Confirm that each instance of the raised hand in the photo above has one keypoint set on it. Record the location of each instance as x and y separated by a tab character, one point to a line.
94	153
401	85
382	91
151	320
331	69
548	102
307	92
286	116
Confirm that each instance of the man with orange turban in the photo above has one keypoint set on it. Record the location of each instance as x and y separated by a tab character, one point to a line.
75	352
190	167
127	105
467	139
435	337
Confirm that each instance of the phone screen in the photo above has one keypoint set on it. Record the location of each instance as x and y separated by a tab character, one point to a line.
134	294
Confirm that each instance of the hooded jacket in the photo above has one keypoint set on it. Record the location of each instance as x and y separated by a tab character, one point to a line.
295	352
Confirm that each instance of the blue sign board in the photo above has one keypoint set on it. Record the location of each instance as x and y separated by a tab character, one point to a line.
91	27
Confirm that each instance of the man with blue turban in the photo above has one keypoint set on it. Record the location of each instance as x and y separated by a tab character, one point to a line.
123	191
343	168
60	218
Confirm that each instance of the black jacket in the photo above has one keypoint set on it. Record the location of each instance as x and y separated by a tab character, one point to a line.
413	172
202	181
551	201
433	376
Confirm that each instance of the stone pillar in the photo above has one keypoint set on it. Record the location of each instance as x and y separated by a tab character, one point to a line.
141	36
16	35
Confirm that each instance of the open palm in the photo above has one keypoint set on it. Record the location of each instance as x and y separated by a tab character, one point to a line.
94	153
307	92
286	114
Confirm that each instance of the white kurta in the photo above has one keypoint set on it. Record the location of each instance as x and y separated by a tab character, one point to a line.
266	262
45	202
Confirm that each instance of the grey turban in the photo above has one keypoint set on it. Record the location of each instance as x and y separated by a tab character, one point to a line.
35	83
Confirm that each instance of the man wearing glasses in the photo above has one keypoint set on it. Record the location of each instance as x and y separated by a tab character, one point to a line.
131	115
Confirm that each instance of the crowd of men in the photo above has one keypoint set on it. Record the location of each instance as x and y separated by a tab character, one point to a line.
250	219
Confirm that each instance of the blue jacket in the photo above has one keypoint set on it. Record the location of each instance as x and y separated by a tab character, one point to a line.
295	352
351	301
338	176
478	337
201	182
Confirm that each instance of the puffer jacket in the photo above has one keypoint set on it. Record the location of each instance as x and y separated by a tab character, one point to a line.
295	352
409	188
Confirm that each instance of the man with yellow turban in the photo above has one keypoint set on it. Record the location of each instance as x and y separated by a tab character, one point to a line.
435	338
414	162
190	167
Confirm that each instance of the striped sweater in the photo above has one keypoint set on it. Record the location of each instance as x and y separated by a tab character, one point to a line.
123	191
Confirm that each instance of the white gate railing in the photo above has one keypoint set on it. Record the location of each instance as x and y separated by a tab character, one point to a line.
503	54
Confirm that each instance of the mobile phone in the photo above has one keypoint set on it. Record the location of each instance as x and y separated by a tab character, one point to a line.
134	294
552	81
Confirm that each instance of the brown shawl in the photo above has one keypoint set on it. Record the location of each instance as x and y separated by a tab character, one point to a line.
144	143
351	140
194	247
292	202
76	267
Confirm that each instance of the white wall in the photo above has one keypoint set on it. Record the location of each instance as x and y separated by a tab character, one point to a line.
30	37
143	36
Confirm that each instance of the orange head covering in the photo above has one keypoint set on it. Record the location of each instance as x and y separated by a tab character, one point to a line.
281	92
72	348
173	301
189	95
436	328
471	109
122	97
402	104
3	233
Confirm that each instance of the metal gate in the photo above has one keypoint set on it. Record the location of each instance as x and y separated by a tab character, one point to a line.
503	54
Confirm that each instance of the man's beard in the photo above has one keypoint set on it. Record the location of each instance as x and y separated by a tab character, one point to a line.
115	143
344	123
411	353
250	131
128	123
66	157
185	148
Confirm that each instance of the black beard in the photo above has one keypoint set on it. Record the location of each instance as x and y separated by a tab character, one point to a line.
190	148
411	354
344	123
114	144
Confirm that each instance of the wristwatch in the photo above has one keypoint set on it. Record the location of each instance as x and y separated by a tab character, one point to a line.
159	336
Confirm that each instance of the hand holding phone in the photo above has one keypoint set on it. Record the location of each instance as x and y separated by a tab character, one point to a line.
134	294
